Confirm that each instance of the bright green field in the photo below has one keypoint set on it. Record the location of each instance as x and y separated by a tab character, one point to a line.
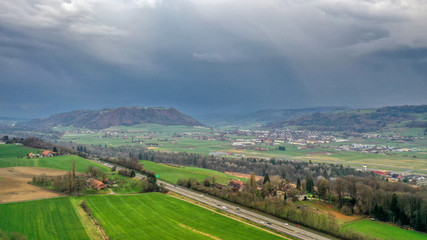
9	158
384	230
43	219
172	174
159	216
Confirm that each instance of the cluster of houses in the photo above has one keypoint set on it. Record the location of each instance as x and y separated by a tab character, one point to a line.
43	154
237	186
369	148
394	137
277	136
395	177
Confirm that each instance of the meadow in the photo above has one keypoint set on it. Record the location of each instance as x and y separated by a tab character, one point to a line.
171	173
15	156
383	230
357	223
43	219
159	216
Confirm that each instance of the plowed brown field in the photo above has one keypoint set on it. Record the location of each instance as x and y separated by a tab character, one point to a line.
14	184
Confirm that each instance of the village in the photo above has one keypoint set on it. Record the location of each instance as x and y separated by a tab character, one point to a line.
255	140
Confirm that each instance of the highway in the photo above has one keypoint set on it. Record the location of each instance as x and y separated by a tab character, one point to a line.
279	226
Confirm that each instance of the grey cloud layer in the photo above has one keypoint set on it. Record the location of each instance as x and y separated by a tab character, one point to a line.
236	54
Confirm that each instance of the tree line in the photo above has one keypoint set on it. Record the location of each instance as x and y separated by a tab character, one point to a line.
291	170
267	201
69	183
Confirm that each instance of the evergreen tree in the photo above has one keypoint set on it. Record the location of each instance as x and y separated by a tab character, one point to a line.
55	150
252	185
298	184
69	184
74	169
309	184
266	179
394	208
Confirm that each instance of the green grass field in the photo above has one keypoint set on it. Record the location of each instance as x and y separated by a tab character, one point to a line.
172	174
384	230
9	158
159	216
43	219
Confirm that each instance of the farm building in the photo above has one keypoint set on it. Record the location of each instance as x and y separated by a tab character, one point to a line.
235	185
47	154
382	172
30	155
98	185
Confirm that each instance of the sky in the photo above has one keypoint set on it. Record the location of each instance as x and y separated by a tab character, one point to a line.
210	56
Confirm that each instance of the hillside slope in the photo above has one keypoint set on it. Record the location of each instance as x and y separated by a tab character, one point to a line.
262	117
100	119
363	120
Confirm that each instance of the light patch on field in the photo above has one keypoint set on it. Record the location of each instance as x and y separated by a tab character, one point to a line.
243	175
234	151
153	148
324	208
319	157
192	229
14	184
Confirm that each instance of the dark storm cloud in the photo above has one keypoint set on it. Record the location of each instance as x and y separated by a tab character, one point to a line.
210	55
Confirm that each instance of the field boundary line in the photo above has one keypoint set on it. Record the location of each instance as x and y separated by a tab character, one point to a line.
104	236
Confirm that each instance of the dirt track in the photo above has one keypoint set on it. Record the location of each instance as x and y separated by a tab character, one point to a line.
14	184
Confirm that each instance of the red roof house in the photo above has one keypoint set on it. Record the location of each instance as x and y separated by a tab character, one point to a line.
98	185
47	154
235	185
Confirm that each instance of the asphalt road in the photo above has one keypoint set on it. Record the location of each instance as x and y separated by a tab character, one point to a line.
278	226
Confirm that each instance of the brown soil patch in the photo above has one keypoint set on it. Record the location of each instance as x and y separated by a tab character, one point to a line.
243	175
14	184
152	147
234	151
318	153
328	209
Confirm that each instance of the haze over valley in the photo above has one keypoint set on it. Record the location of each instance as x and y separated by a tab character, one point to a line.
184	119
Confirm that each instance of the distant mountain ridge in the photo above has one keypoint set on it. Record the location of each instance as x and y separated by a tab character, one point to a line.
101	119
265	116
362	120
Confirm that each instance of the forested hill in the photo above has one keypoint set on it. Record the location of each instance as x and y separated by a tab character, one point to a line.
100	119
363	120
264	116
